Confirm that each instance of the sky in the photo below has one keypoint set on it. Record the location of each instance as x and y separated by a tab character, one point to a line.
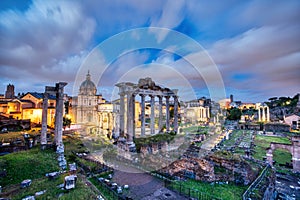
251	48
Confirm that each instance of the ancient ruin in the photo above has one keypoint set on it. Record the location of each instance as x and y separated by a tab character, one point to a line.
263	113
294	149
58	90
145	87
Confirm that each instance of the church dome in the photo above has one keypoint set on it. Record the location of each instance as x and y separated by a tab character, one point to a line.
87	87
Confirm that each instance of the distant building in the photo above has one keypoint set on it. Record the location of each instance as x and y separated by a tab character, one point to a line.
27	107
195	111
224	103
85	105
293	121
32	106
91	109
10	92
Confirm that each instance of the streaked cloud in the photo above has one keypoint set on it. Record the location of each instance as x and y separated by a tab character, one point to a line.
255	44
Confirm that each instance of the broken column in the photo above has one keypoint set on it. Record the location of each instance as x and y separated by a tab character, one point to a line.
44	121
59	124
59	112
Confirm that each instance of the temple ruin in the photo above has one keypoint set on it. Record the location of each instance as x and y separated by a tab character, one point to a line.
145	87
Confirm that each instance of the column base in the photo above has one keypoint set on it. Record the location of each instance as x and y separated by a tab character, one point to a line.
43	146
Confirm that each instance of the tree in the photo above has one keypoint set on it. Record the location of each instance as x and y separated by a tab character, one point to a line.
66	122
234	114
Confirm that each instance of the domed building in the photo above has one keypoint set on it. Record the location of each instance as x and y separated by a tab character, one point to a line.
86	104
91	109
88	87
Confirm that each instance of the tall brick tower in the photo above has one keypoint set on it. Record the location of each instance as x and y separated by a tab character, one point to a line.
10	91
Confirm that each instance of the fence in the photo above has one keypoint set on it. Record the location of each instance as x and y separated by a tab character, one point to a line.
186	191
108	192
255	183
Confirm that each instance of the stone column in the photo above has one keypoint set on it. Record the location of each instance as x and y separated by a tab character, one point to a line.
167	114
129	117
59	112
208	114
142	114
122	111
152	120
133	115
101	120
175	114
268	114
204	114
160	118
259	116
269	156
44	121
200	114
263	114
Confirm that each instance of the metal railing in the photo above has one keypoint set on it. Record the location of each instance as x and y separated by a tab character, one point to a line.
255	183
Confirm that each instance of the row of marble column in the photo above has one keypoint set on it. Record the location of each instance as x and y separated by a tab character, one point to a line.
109	123
263	114
130	124
204	113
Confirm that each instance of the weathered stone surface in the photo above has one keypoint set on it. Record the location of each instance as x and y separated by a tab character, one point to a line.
201	168
212	168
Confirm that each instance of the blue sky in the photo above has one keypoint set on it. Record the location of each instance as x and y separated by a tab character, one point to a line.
254	44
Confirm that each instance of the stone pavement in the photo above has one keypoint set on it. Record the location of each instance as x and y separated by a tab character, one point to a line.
144	186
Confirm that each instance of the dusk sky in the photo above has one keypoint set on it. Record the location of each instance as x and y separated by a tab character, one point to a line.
255	45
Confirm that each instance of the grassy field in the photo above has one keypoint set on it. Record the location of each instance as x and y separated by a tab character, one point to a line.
34	164
194	129
223	191
282	156
234	135
263	142
82	191
30	164
10	136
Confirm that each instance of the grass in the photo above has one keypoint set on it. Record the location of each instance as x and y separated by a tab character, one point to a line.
153	139
194	129
31	164
223	191
234	135
104	191
11	136
82	191
282	156
263	142
34	164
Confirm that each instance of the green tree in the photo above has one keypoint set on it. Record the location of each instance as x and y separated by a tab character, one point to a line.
66	122
234	114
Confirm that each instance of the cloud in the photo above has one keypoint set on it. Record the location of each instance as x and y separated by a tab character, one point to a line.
171	16
43	36
270	54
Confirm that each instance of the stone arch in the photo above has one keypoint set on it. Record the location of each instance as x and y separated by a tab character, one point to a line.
294	149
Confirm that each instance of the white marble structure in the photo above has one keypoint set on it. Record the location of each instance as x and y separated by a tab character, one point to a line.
263	112
195	112
85	104
146	87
